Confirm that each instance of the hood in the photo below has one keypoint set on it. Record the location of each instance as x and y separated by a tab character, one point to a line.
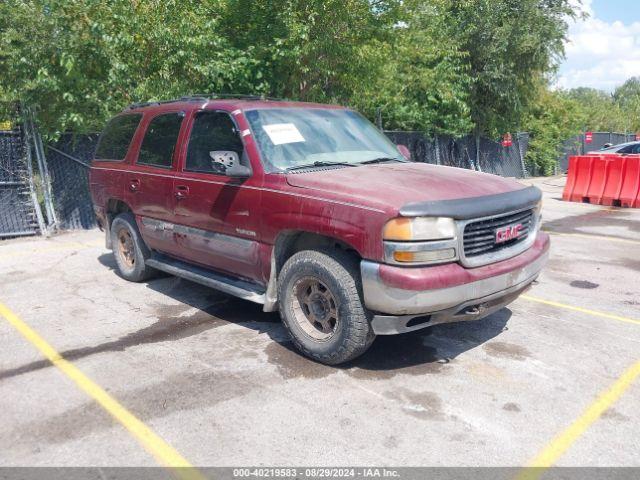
397	184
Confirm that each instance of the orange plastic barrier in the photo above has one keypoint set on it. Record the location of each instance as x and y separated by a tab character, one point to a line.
578	179
571	179
597	180
615	176
630	190
604	180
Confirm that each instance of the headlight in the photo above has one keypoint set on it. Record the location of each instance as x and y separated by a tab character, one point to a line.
419	228
537	215
420	241
538	208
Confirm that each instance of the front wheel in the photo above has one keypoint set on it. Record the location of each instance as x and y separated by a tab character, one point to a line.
320	298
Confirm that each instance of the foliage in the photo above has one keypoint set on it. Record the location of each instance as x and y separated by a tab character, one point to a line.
555	117
79	61
511	45
439	66
627	97
421	80
307	49
598	110
550	120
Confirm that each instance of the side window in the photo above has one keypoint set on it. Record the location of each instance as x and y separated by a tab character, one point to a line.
212	131
116	137
636	148
160	140
627	149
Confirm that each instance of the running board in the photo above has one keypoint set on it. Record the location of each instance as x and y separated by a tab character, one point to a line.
239	288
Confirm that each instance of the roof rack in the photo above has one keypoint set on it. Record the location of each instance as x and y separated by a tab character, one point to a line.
203	97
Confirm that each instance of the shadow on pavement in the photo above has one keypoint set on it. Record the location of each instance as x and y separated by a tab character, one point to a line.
426	351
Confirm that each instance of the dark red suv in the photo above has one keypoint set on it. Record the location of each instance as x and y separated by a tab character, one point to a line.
310	210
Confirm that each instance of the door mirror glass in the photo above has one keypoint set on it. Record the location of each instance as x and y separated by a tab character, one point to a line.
228	162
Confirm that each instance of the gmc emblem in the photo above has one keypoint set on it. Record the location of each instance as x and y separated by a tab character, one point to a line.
509	232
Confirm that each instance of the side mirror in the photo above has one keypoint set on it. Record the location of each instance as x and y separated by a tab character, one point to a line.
406	153
228	162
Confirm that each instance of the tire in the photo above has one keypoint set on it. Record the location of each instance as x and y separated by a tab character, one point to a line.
320	301
130	250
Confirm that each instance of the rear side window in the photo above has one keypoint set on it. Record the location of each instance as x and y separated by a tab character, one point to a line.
116	137
160	140
212	131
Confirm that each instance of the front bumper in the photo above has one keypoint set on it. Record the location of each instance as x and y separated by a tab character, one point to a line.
406	299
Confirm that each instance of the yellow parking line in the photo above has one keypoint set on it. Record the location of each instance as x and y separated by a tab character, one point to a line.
580	309
560	444
160	449
595	236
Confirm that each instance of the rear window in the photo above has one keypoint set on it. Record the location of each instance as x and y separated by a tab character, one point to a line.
116	137
160	140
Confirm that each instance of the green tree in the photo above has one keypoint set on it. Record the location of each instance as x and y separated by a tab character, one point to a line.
79	61
598	110
440	66
551	119
511	45
627	97
308	49
420	80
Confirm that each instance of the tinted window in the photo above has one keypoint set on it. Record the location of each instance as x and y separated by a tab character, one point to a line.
212	131
627	149
160	140
116	137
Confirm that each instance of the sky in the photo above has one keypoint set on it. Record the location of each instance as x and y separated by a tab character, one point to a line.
603	50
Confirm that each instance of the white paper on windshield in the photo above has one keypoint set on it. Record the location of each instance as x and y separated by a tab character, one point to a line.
281	133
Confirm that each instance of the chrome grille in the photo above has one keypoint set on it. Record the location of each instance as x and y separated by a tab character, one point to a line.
479	237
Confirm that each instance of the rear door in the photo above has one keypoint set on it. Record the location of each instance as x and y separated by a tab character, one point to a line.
217	216
149	183
110	162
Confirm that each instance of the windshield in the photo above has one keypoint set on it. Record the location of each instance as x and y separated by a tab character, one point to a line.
297	137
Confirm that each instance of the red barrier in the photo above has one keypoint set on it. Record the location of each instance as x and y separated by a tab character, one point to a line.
571	179
578	178
604	180
616	169
597	180
631	183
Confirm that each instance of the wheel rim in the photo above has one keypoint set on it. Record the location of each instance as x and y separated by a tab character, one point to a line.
126	248
315	308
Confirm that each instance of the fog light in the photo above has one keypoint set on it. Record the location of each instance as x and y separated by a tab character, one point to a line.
424	257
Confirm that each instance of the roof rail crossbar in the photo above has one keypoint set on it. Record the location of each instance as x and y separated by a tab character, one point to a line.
203	97
244	96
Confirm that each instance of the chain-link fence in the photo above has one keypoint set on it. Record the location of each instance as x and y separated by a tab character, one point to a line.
579	145
485	155
69	160
20	212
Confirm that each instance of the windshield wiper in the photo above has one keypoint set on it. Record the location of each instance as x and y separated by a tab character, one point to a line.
319	163
382	160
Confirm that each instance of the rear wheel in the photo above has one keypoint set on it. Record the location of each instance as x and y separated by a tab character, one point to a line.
129	249
321	306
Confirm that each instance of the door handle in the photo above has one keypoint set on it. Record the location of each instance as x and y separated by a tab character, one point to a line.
181	192
134	184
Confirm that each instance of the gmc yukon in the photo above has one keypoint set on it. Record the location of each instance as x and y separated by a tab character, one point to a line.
311	211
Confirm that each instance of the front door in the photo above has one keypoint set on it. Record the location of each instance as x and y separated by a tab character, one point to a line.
217	216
